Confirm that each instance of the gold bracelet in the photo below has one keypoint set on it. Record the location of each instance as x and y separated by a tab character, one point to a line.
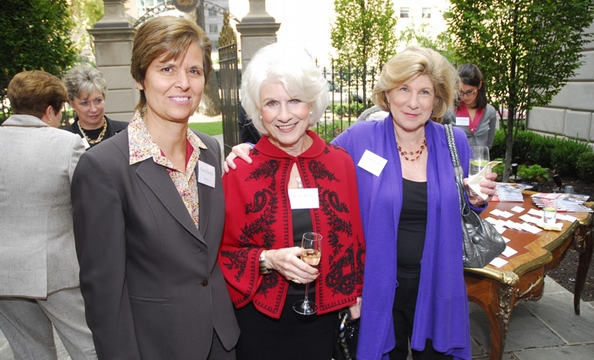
263	269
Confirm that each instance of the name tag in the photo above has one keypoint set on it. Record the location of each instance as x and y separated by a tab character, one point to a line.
462	121
304	198
372	163
206	174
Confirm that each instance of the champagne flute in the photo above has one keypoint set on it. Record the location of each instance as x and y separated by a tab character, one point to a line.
479	158
311	251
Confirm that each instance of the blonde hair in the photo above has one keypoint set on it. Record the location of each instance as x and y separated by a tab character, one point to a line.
83	79
412	62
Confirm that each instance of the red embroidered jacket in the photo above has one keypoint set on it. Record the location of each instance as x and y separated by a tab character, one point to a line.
258	217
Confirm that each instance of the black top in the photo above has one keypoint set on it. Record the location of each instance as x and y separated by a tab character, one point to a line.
301	224
113	127
411	228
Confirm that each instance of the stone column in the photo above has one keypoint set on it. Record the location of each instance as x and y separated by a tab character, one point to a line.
113	36
257	30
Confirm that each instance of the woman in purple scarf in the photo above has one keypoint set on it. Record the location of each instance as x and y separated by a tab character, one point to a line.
414	294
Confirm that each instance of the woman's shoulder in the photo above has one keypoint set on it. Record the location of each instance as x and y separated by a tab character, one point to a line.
490	109
364	128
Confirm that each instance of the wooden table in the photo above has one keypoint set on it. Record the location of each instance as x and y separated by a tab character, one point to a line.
498	290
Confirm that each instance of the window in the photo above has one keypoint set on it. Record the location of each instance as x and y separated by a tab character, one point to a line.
213	28
404	12
145	5
426	14
212	13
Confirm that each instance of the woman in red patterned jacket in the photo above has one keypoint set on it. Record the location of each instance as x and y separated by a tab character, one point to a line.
295	184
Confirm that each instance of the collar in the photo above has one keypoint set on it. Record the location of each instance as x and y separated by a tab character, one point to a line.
24	121
316	148
142	146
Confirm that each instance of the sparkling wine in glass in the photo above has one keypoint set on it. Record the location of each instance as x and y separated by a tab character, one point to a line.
479	158
311	251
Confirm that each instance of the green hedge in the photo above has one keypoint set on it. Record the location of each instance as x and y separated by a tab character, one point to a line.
569	157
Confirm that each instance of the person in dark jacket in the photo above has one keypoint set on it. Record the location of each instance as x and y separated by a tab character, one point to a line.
87	90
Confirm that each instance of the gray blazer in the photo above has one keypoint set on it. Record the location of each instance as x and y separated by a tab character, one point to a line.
149	277
484	134
37	255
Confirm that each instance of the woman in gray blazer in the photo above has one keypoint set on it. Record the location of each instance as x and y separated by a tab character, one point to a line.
87	90
149	213
39	286
472	113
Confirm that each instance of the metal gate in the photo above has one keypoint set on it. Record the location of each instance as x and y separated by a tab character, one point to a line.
229	80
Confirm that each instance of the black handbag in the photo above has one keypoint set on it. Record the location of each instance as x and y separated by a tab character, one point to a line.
347	335
482	242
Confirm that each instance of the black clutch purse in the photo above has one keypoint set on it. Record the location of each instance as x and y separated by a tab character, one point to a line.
347	335
482	242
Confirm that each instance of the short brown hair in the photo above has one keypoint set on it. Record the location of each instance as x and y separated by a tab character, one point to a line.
31	92
166	34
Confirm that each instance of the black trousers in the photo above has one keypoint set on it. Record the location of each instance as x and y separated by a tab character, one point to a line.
403	312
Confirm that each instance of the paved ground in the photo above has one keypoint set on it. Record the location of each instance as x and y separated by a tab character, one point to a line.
543	330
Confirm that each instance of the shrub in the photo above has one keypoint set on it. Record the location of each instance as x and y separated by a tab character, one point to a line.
331	129
585	166
565	153
354	109
533	173
556	153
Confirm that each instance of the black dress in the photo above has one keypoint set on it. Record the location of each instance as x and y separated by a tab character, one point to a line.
293	336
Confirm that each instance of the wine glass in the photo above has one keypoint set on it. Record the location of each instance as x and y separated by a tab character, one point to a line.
311	251
479	158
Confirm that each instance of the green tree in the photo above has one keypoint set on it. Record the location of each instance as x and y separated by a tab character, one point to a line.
84	14
442	43
364	36
35	35
526	49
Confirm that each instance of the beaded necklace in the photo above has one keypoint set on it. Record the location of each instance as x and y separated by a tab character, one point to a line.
418	152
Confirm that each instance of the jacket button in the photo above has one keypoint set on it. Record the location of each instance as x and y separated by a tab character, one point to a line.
204	282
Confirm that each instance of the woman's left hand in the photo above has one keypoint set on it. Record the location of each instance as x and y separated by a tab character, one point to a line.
356	309
488	186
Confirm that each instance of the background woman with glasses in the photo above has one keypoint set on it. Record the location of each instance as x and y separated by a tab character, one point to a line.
471	112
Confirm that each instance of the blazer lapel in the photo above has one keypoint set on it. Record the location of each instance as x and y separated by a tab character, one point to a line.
158	180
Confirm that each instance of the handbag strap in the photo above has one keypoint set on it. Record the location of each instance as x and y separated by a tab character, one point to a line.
458	171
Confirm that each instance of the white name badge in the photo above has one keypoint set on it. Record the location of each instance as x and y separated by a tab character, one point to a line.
304	198
206	174
372	163
462	121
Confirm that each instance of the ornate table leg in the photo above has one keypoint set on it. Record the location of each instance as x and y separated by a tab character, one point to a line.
583	244
495	299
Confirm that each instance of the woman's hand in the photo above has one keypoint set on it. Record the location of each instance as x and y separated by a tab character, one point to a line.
287	262
356	309
488	186
241	151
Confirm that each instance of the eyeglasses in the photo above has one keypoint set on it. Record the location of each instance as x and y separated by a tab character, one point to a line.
467	93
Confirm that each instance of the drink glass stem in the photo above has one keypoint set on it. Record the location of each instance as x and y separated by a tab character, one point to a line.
306	299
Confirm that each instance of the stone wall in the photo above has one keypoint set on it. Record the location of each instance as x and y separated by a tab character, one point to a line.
571	112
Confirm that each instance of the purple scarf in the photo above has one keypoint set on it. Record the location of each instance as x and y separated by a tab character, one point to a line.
442	305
